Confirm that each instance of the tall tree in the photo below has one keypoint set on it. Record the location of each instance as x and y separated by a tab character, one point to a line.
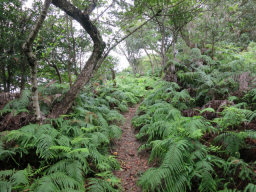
83	17
32	60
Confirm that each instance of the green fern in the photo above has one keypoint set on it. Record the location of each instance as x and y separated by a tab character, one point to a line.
233	141
242	169
181	162
57	181
250	188
17	105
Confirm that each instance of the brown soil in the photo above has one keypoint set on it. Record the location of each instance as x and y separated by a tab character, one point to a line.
9	122
126	149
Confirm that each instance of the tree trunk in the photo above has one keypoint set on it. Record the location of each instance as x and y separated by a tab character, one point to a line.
94	60
155	60
113	76
27	49
23	77
173	46
185	36
130	60
58	72
173	69
69	52
151	61
213	45
163	49
73	47
244	80
9	78
80	58
163	56
4	78
55	67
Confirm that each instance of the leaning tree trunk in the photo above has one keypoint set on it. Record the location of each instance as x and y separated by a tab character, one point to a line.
57	72
151	61
93	61
97	56
27	49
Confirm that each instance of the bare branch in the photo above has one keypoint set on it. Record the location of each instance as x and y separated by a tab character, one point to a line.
129	34
95	20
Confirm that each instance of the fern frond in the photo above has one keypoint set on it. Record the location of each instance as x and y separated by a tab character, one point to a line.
250	188
20	178
207	183
99	185
114	132
57	181
232	141
72	168
5	186
19	105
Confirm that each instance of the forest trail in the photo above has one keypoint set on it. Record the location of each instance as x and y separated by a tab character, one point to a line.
132	163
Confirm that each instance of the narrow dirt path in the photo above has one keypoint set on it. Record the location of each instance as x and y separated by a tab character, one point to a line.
132	163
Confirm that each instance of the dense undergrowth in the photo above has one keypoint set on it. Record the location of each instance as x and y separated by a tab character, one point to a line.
70	153
201	132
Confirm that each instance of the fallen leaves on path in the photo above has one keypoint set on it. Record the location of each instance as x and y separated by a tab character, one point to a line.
126	150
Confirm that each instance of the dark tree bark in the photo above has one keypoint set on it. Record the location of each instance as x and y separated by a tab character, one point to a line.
213	45
55	67
90	67
27	49
9	78
57	71
4	78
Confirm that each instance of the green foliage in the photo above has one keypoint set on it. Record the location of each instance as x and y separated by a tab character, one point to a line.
72	150
173	140
233	116
185	160
250	188
233	141
239	166
19	105
250	98
180	163
105	182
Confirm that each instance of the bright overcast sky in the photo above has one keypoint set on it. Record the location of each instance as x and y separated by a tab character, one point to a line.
123	63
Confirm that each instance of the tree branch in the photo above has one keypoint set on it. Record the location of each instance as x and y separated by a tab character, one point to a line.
91	7
82	18
133	31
